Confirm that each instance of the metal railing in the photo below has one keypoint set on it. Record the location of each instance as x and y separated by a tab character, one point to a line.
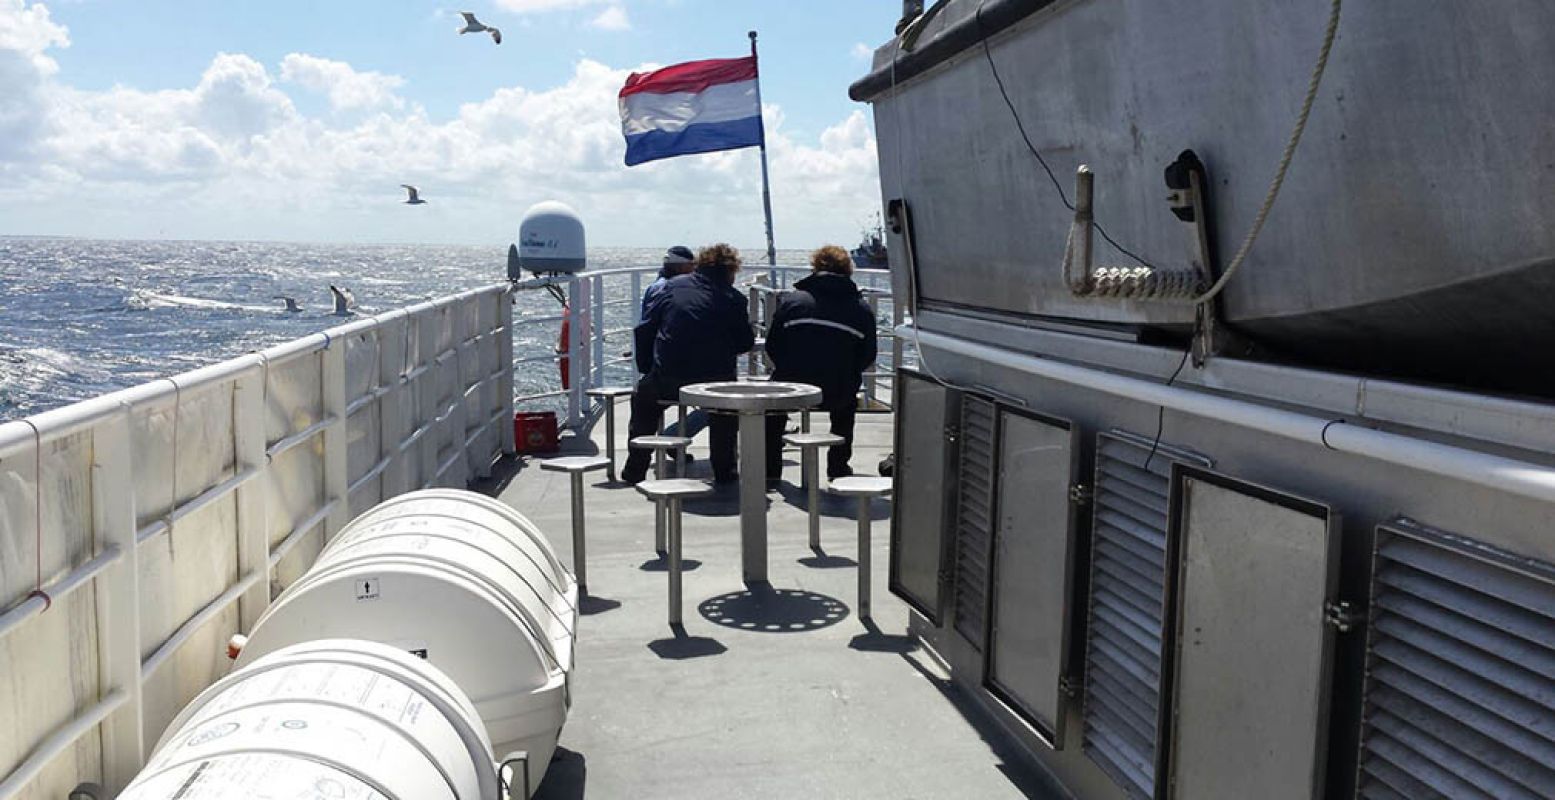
603	307
140	529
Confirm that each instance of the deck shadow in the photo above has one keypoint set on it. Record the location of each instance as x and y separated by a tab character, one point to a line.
682	646
565	778
503	471
724	502
662	564
763	609
873	640
824	560
592	604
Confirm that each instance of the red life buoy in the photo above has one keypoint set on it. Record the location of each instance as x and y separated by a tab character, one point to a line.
562	346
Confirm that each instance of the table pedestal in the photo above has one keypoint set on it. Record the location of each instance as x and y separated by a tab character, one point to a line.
753	497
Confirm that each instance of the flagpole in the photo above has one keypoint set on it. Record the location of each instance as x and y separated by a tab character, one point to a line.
766	185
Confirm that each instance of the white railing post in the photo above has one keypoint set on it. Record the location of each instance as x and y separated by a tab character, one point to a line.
248	439
577	344
598	319
505	360
636	300
118	600
870	385
332	365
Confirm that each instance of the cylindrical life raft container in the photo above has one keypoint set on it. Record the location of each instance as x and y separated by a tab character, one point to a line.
460	580
338	718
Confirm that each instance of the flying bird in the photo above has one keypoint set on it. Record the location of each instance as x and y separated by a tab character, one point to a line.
415	195
291	304
473	25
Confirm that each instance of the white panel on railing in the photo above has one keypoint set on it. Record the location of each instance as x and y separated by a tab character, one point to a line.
293	397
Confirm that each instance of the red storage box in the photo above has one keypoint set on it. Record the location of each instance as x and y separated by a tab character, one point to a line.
535	432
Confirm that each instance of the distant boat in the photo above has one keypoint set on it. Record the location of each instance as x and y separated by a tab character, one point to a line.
871	253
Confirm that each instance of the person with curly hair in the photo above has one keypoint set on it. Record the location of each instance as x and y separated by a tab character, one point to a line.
823	334
694	330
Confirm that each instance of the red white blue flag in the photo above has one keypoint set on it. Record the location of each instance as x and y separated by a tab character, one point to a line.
695	107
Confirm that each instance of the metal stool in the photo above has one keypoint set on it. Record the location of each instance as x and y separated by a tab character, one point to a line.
809	445
865	489
576	466
667	496
609	394
680	415
659	444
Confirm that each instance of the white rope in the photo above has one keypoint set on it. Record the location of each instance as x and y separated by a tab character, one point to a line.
1290	153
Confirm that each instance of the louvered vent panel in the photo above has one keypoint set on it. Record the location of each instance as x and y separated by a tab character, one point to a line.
1127	595
1460	692
974	517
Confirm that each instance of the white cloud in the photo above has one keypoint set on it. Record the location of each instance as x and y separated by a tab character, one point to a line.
231	156
612	19
532	6
861	51
347	89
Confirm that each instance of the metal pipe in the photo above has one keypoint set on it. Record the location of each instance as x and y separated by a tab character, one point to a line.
158	657
298	532
200	501
863	557
282	445
34	604
673	511
1522	478
578	563
812	479
61	738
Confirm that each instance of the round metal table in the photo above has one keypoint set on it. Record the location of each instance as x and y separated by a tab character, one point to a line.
752	401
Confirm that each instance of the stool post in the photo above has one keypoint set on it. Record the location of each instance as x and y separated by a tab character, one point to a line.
610	437
804	420
658	464
659	536
674	557
812	480
578	563
863	557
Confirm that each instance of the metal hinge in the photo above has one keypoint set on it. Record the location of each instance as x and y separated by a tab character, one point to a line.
1080	494
952	433
1069	686
1340	616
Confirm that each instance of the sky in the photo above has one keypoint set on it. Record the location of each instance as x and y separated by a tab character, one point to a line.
297	120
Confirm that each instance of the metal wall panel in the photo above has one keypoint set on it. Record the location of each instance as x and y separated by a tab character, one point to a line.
1460	691
918	541
974	517
1126	606
1249	700
1031	568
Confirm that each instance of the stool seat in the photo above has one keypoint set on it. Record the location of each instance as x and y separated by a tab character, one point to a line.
575	464
610	391
812	439
674	487
861	486
661	442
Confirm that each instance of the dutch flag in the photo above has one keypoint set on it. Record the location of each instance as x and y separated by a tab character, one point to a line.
695	107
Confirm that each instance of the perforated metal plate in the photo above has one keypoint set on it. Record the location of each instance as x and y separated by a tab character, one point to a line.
1031	568
1460	690
923	482
1249	683
974	517
1126	606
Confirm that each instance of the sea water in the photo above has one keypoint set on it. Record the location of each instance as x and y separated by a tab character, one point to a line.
82	317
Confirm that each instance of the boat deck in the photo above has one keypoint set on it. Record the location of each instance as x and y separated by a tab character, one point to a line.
779	692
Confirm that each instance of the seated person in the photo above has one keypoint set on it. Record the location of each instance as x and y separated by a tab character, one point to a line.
678	260
695	330
823	334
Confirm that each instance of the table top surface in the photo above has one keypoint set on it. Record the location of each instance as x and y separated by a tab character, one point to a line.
751	397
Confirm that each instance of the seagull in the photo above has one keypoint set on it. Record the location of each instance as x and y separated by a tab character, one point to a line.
473	25
291	304
344	301
415	195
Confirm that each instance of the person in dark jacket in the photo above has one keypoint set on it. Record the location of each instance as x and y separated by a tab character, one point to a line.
823	334
695	329
678	260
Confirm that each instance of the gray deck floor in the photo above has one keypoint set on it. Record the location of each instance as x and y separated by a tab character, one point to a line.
831	710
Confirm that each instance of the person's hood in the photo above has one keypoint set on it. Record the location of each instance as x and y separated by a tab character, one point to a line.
828	283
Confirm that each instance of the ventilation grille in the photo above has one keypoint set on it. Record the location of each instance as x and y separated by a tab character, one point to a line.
1460	691
974	517
1127	597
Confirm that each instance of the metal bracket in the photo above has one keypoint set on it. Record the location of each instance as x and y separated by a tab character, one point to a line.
1069	686
1340	615
952	433
1080	494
